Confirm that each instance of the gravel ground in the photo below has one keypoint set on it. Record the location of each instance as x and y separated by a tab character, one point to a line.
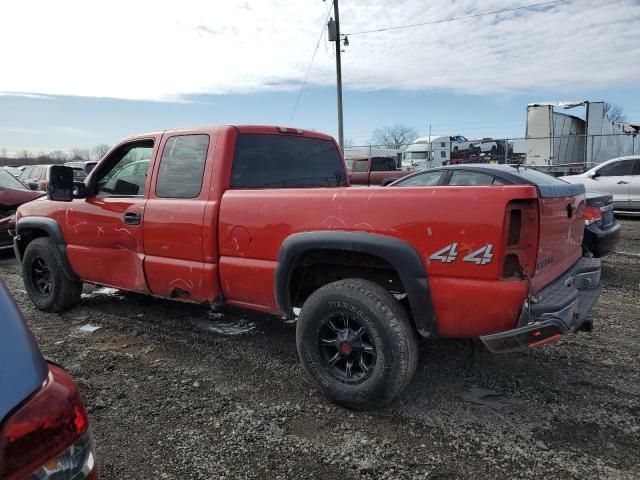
177	391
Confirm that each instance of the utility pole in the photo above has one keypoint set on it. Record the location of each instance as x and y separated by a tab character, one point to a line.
334	35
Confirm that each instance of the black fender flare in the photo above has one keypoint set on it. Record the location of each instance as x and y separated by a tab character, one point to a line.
53	231
400	255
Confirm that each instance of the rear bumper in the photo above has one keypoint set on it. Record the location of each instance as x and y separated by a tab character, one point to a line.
600	241
561	307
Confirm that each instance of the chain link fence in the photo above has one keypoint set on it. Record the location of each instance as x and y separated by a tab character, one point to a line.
558	152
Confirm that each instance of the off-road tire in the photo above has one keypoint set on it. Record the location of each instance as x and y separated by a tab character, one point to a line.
63	293
389	329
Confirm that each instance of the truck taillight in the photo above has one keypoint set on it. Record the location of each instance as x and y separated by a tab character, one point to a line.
48	437
520	239
295	131
592	214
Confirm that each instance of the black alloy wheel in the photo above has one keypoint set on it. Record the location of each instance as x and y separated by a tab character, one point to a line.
41	275
346	348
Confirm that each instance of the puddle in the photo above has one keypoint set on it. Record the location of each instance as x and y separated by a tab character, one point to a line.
89	328
237	327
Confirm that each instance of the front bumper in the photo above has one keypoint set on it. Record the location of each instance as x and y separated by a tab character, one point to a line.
561	307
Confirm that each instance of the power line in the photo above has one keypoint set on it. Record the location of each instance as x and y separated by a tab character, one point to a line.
313	57
453	19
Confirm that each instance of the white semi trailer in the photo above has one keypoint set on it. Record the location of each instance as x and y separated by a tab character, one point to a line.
560	142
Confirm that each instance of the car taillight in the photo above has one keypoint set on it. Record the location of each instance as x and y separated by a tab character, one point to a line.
592	214
520	239
47	437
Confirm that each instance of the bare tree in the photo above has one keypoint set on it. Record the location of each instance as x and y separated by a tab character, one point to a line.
4	153
396	137
615	112
24	155
348	142
82	154
58	156
99	151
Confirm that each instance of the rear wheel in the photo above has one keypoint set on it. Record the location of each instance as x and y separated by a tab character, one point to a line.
356	343
44	280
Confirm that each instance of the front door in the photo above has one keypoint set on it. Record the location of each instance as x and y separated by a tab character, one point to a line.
614	178
104	231
634	187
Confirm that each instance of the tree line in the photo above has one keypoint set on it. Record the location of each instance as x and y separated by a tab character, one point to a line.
26	157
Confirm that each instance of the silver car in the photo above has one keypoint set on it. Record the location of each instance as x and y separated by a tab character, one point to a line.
618	176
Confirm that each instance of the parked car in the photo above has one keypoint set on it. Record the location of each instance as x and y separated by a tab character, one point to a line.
368	171
602	230
618	176
263	218
13	193
37	176
15	171
86	165
44	429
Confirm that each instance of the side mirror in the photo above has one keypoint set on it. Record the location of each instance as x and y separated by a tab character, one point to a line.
33	185
387	181
60	187
593	174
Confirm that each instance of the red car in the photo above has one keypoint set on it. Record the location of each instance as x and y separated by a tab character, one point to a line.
13	193
263	218
44	430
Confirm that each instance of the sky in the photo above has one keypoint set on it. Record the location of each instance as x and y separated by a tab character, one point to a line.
78	73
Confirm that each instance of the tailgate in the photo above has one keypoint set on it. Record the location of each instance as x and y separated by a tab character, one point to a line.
561	232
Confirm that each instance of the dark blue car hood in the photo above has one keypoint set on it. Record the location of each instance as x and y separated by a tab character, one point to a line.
22	367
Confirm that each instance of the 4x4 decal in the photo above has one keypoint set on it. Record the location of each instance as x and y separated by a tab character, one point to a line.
449	254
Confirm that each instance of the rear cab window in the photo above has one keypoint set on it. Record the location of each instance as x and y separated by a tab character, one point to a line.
286	161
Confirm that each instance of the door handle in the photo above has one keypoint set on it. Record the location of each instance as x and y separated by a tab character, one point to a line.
622	182
132	218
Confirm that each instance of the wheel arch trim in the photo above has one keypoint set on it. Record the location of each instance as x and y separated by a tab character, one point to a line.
53	231
398	253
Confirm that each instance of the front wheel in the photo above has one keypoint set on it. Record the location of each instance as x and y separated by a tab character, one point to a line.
44	280
356	343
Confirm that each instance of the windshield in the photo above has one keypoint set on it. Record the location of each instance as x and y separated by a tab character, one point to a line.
9	181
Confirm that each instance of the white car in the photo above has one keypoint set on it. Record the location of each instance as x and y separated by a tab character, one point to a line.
618	176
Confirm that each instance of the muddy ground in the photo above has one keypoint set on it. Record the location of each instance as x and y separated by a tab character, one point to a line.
176	391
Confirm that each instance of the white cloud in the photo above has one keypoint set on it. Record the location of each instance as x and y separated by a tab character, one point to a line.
160	50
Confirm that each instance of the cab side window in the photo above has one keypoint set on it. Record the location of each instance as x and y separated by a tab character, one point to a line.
382	164
182	166
360	165
120	177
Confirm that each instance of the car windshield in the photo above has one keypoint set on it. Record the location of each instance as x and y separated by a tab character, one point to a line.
9	181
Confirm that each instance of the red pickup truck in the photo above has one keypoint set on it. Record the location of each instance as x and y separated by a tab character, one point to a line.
369	171
263	218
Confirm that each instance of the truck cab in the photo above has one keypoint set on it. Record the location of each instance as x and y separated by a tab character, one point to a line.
374	170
